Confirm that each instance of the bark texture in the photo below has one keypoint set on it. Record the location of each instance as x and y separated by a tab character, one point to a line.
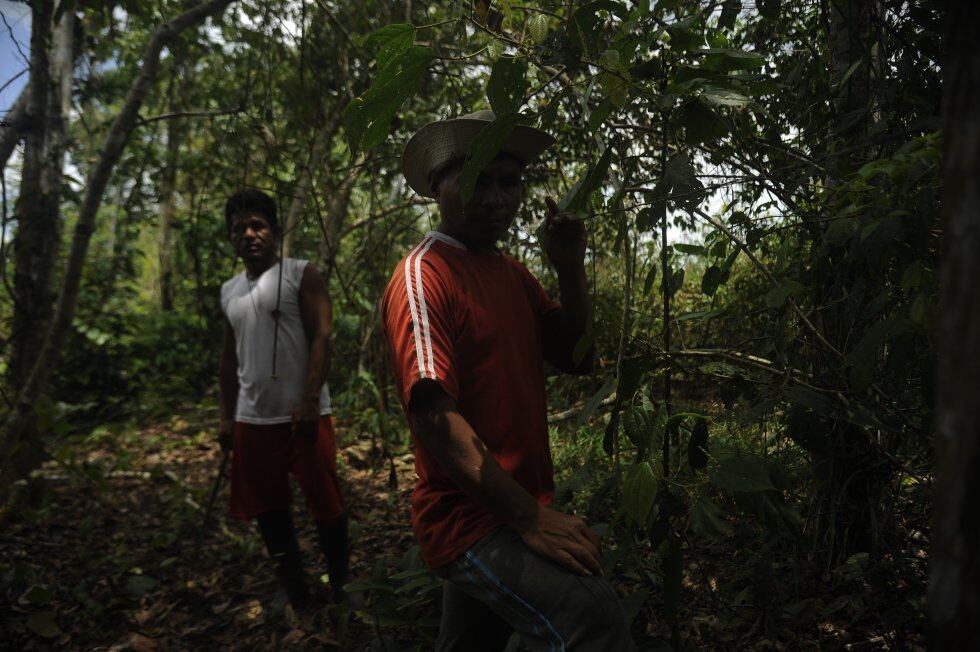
954	590
38	211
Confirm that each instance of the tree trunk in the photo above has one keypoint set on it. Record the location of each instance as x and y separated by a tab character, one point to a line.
301	194
17	425
849	475
954	590
168	201
38	211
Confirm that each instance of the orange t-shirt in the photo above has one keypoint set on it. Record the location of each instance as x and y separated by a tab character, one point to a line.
478	324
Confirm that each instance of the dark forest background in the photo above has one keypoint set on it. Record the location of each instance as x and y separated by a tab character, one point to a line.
762	185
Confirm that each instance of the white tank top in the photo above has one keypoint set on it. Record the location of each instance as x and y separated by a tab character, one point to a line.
249	306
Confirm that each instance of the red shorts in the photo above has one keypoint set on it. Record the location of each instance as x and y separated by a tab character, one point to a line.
262	458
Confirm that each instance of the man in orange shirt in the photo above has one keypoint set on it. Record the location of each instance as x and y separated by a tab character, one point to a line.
469	329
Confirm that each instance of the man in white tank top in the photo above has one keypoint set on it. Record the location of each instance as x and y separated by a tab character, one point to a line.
275	404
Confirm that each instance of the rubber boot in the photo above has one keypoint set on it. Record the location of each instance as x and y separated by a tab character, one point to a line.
280	540
335	545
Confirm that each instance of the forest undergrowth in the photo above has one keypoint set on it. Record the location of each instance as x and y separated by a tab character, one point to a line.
107	552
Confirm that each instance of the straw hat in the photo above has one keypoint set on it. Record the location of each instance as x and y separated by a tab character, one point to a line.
439	143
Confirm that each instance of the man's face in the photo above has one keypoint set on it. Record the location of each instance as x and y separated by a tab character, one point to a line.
491	210
252	237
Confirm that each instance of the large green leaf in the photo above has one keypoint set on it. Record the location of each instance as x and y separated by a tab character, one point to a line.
367	118
700	123
711	280
391	41
483	149
742	473
508	82
577	197
639	490
707	519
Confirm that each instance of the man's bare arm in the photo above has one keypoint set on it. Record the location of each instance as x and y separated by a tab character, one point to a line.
448	437
316	312
564	239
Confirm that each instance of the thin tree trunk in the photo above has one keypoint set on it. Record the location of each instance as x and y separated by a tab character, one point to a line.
954	589
38	212
168	205
849	475
17	424
301	195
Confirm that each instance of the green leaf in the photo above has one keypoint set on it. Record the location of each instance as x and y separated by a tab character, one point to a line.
673	281
711	280
700	123
707	519
697	446
778	295
577	197
639	490
639	423
507	85
43	624
593	403
630	376
367	118
723	97
686	248
649	280
727	60
686	190
391	41
742	473
37	594
702	314
483	149
599	115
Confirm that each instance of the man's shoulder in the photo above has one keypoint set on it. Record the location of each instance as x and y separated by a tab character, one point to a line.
426	264
232	282
429	255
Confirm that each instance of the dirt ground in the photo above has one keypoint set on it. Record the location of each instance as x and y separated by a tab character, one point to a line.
108	552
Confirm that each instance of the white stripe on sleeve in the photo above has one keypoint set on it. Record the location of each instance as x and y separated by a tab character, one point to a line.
426	334
419	350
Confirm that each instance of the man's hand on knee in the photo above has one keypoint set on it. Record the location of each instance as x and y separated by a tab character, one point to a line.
565	539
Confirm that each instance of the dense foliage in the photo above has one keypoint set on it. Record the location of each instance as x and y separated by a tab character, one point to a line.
761	187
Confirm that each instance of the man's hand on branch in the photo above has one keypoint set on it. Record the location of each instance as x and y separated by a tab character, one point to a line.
566	539
563	237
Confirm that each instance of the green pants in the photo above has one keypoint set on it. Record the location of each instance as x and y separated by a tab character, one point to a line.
499	587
